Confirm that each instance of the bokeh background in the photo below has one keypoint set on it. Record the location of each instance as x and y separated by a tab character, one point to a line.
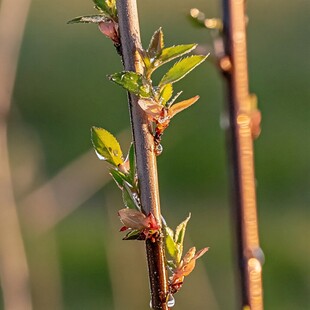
67	205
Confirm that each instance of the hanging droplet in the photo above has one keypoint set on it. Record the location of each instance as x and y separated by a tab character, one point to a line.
170	301
158	149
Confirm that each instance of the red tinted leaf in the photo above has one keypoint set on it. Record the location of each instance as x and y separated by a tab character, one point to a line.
180	106
151	108
132	218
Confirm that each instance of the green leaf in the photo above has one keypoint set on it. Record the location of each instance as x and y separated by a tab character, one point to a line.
166	94
132	162
180	231
89	19
170	244
119	178
179	238
142	56
182	68
106	6
128	198
106	146
173	52
174	98
156	44
134	234
133	82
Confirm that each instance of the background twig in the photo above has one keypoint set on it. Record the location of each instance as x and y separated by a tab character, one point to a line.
240	145
13	263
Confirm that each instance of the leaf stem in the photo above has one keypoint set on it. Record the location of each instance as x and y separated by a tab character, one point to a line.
145	156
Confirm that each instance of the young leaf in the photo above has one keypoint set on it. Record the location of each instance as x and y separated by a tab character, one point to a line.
180	231
151	108
128	199
106	6
117	177
156	44
133	219
133	82
106	146
173	52
89	19
170	244
132	162
180	106
166	94
169	104
134	235
142	56
182	68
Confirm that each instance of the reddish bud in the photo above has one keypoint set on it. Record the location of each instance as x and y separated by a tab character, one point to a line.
110	30
136	220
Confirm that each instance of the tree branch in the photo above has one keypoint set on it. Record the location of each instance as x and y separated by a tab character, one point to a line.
145	156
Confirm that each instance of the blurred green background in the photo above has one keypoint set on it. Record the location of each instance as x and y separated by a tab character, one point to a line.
79	261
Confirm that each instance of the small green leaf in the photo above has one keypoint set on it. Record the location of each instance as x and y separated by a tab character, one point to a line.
118	177
142	56
180	231
128	199
182	68
170	244
171	265
106	146
134	234
173	52
156	44
166	94
106	6
132	162
89	19
133	82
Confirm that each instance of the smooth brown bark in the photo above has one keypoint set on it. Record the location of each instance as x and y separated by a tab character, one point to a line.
145	156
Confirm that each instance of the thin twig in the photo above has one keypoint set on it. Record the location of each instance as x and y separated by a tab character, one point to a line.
145	156
250	255
13	262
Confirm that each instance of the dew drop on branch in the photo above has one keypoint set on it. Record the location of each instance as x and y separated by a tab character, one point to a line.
171	301
158	149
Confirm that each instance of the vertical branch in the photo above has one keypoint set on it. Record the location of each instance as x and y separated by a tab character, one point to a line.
145	156
250	255
13	264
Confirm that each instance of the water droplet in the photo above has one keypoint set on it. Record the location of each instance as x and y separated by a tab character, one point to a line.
100	156
151	304
158	149
156	63
170	301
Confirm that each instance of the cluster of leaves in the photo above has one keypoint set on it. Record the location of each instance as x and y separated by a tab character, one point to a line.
143	226
158	101
123	171
180	267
